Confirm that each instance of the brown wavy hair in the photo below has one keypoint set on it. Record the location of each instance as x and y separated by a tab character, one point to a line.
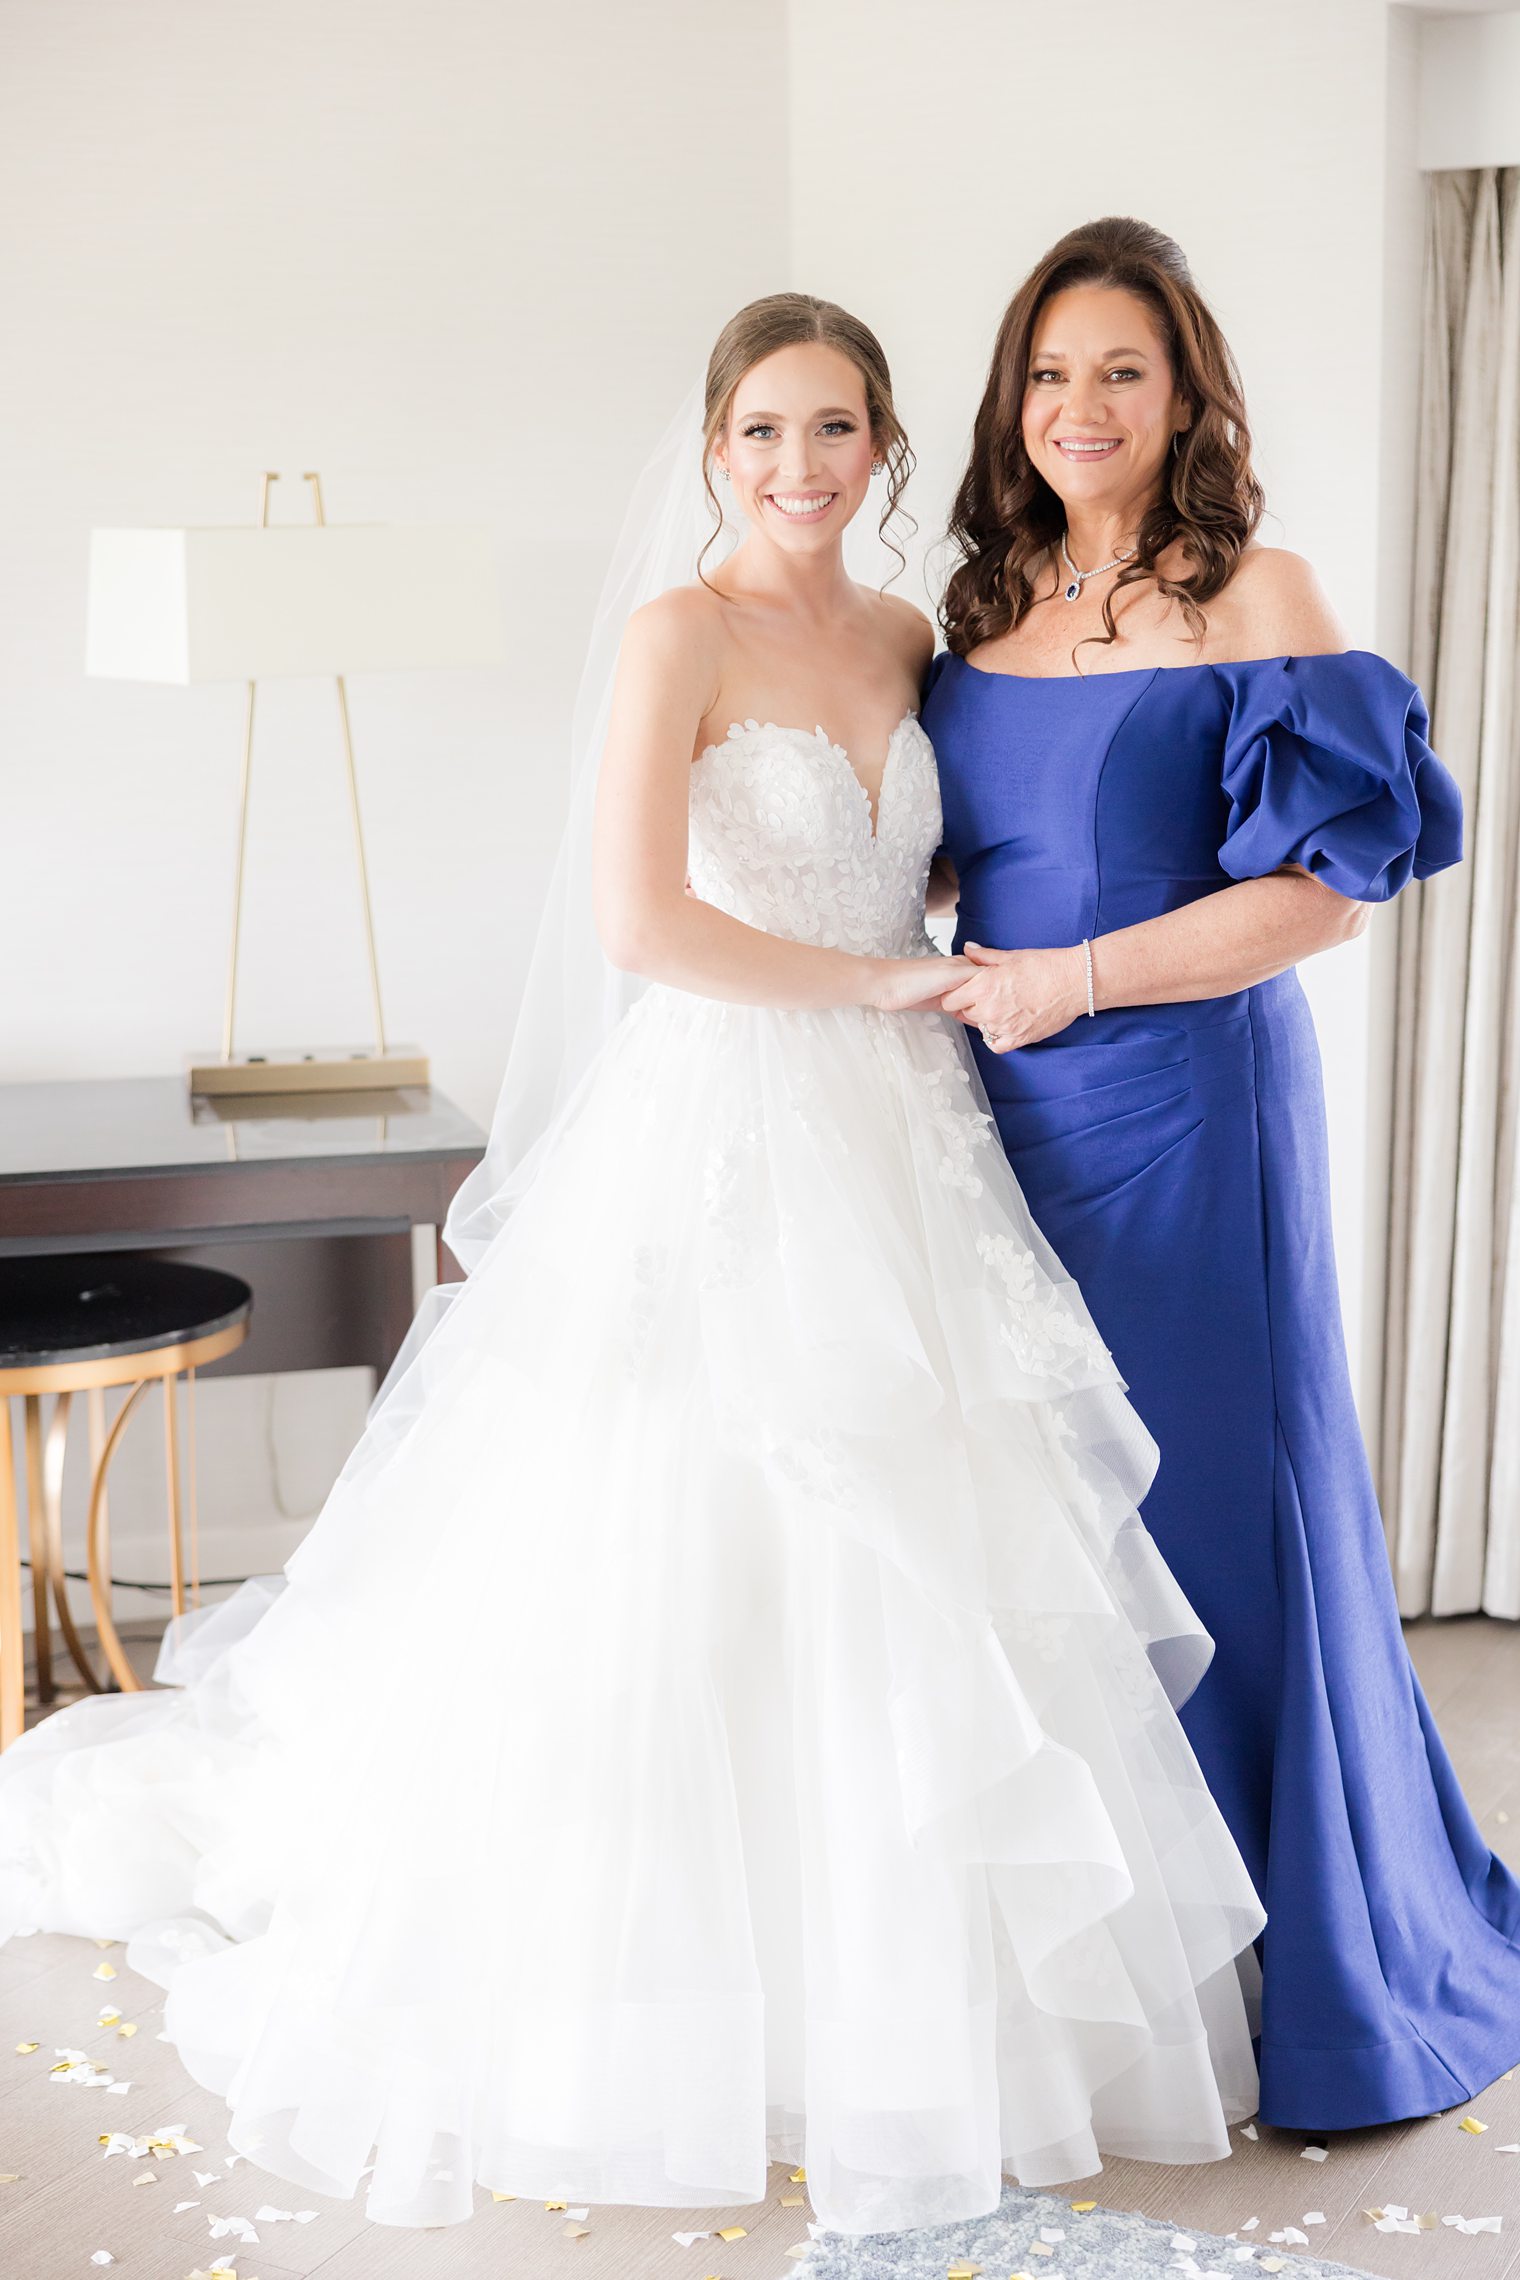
781	320
1007	519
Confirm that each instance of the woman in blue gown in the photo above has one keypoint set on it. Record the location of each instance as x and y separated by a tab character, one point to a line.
1157	756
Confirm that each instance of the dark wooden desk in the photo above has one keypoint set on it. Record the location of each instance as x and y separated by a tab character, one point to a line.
310	1200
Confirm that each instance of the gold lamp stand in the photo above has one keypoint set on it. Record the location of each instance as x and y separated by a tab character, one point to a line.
341	1068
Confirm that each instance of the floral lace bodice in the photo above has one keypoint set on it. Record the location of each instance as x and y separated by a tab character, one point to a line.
781	837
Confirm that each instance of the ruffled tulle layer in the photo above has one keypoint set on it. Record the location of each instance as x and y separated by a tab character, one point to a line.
724	1711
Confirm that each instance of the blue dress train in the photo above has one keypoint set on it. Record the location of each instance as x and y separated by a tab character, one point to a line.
1175	1155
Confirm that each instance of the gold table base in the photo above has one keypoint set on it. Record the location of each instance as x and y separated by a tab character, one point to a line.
338	1068
44	1446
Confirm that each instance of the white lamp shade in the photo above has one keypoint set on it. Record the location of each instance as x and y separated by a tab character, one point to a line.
249	605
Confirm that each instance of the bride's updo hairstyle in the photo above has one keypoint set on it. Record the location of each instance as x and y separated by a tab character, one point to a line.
782	320
1006	517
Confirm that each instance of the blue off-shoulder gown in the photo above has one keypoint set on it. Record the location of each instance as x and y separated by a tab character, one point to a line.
1175	1155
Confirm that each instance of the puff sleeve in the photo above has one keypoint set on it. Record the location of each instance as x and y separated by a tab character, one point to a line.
1326	764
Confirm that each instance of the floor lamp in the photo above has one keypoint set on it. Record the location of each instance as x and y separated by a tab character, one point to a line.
265	601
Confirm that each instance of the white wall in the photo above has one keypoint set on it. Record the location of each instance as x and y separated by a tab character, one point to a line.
937	152
451	256
460	255
1403	274
1470	90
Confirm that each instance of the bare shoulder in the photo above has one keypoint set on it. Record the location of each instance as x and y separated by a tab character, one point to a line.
674	645
1274	606
910	632
680	619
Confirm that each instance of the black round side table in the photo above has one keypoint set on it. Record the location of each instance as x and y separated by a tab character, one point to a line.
74	1323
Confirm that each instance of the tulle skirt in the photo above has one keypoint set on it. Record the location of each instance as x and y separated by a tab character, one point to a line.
724	1711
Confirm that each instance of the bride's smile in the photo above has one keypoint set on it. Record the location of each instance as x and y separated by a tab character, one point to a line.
798	450
798	508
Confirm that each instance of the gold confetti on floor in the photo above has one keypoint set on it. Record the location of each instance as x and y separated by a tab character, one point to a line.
104	1971
556	2208
794	2201
504	2196
1082	2207
733	2232
12	2176
576	2232
963	2272
24	2050
799	2177
163	2145
127	2027
1472	2125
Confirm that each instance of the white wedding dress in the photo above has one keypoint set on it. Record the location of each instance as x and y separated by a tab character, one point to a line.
725	1708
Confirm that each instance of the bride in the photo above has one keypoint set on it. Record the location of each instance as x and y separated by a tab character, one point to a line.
726	1708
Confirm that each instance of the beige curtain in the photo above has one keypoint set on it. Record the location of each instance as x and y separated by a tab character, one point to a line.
1450	1459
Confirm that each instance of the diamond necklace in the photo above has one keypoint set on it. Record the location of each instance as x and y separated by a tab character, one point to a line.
1079	578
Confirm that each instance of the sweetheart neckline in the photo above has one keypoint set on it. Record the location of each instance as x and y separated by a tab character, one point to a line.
737	728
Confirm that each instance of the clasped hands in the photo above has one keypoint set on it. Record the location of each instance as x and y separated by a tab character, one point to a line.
1014	997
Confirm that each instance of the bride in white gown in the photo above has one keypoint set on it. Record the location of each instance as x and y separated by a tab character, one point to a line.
725	1710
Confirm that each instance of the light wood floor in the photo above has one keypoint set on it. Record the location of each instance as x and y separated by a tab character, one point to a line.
69	2201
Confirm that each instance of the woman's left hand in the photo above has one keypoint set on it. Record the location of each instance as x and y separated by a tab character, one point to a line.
1019	996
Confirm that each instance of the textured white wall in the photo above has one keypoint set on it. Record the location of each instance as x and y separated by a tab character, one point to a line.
1470	89
450	254
460	255
937	151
